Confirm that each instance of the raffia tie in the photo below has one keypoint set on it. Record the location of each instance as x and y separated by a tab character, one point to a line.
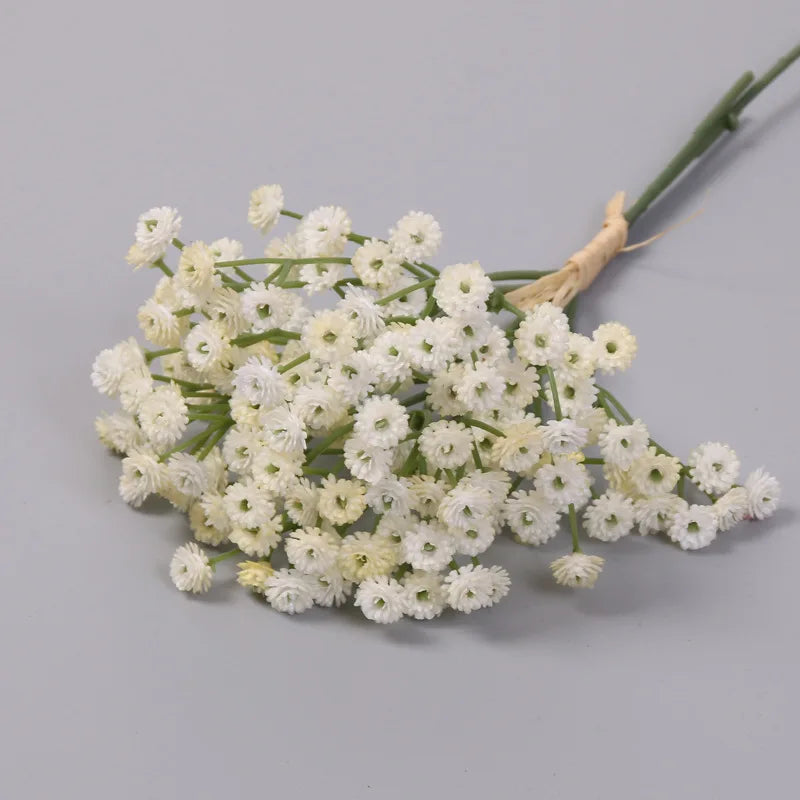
582	267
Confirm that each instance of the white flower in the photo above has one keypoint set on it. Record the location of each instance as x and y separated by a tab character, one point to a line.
159	325
475	540
213	504
190	570
714	467
388	356
283	430
142	475
317	405
353	377
112	364
381	599
531	516
363	555
366	461
240	447
300	502
472	587
207	345
155	230
266	204
415	237
260	383
655	473
163	416
609	517
621	445
381	421
693	527
577	570
223	305
329	336
360	308
341	501
375	264
480	388
134	388
431	343
576	394
321	275
409	304
465	507
248	505
187	474
226	249
203	532
594	420
731	508
389	495
268	307
312	550
428	546
763	494
119	431
543	336
425	494
424	594
521	447
253	575
654	514
462	290
564	436
563	483
276	471
290	591
330	589
324	232
579	358
196	267
259	540
615	347
522	383
445	444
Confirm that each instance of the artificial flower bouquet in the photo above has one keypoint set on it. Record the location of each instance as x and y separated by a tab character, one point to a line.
373	449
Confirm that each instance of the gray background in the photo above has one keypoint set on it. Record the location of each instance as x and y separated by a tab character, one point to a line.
512	122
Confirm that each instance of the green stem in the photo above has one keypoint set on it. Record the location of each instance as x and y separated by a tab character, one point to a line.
554	392
334	436
623	412
179	382
153	354
222	556
245	262
189	443
573	524
518	275
403	292
476	423
292	364
214	438
163	267
246	339
724	116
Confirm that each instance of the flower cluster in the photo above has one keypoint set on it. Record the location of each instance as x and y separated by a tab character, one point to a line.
376	448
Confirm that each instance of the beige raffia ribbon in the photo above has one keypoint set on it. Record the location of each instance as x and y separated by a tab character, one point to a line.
581	268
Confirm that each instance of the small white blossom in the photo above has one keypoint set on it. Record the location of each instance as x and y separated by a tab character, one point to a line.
763	494
615	347
714	467
190	570
415	237
472	587
577	570
266	204
290	591
155	230
381	599
693	527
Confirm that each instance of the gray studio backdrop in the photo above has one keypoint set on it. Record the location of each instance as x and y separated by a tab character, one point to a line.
512	122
